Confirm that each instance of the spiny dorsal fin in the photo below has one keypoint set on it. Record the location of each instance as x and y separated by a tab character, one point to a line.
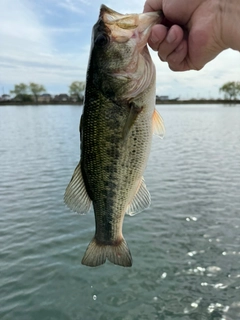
141	200
76	197
158	125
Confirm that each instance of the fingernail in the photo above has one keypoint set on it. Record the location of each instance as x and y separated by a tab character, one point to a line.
171	37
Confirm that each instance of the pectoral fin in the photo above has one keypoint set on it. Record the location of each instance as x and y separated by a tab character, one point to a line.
134	112
76	197
141	200
158	125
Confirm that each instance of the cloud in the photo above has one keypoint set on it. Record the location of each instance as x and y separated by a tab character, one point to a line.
133	6
45	69
28	51
21	34
47	49
73	5
48	42
19	25
203	83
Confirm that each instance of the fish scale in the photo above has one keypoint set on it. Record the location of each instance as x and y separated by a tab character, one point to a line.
116	129
113	162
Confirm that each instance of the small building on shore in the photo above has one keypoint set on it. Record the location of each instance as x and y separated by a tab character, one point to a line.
44	98
63	97
5	97
162	98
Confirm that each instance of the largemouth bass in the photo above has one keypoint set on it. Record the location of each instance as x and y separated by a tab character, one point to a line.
116	128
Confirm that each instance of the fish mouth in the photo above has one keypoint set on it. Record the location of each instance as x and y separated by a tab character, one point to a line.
123	27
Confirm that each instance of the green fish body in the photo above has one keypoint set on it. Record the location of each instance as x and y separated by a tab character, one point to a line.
116	130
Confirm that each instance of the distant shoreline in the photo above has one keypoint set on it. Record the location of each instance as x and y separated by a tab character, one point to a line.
158	102
195	101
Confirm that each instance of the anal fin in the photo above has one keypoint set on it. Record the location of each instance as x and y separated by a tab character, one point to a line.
141	200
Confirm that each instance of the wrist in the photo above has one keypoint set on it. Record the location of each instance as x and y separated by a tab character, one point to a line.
230	23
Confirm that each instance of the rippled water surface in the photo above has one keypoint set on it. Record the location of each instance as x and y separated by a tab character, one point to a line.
185	247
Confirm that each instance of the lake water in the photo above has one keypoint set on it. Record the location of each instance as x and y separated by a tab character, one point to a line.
185	247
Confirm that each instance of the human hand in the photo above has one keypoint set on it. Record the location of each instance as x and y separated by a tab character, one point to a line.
194	31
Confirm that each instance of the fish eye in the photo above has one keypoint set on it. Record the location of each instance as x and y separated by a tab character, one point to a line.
101	40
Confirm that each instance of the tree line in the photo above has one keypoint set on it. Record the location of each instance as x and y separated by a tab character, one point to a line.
22	91
231	90
25	92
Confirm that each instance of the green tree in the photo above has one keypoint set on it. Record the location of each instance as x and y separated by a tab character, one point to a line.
77	88
231	90
36	90
21	92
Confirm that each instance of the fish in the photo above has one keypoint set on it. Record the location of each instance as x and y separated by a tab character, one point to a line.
116	128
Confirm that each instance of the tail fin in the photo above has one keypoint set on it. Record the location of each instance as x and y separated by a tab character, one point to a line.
96	254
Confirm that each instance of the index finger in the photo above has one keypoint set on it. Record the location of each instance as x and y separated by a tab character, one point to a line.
152	5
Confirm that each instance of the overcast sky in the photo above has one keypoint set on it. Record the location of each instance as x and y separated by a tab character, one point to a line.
48	42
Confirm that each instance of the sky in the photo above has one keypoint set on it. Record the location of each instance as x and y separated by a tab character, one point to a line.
48	42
